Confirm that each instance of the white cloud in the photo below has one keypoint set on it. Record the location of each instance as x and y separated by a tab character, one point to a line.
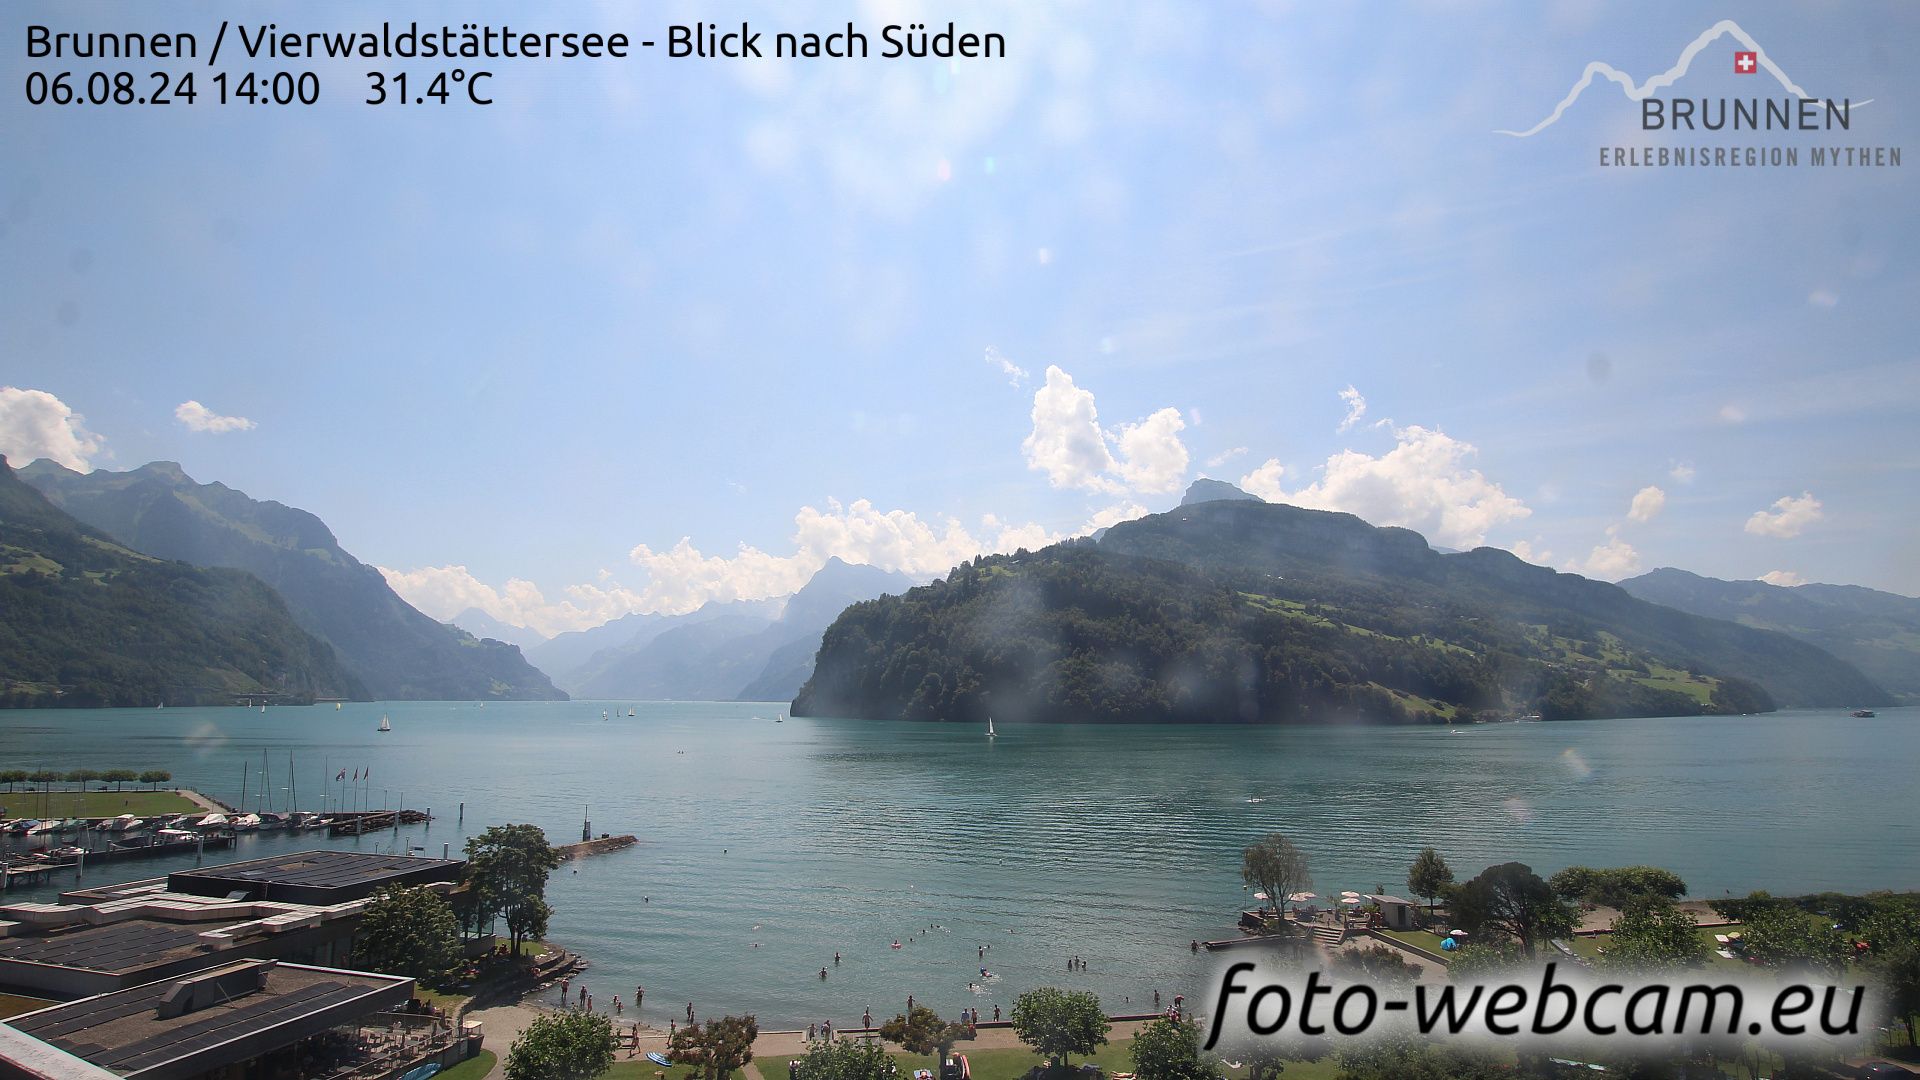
1424	483
1787	518
35	424
1610	561
445	591
1264	481
1225	456
1528	552
1114	515
1647	504
1682	472
1151	456
198	417
1015	373
1786	579
1069	445
1732	413
1066	442
1356	407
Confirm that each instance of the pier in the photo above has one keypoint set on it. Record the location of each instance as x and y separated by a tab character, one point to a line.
601	846
361	823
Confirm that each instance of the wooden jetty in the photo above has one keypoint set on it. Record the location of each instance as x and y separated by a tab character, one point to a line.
360	823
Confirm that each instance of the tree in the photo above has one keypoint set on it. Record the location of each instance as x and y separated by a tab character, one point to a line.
921	1031
1511	899
1429	875
1058	1022
411	932
562	1046
1778	934
1891	930
11	777
507	868
1410	1059
844	1059
155	777
1277	868
1654	936
719	1048
1169	1049
117	777
1617	887
82	777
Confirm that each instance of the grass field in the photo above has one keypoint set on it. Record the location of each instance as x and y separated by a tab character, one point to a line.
473	1068
66	804
1589	946
1007	1063
1420	939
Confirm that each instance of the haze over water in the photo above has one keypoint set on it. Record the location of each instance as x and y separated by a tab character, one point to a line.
766	847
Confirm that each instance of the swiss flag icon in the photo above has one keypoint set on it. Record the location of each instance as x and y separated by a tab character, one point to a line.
1746	63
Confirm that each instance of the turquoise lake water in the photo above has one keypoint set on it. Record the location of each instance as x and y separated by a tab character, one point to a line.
766	847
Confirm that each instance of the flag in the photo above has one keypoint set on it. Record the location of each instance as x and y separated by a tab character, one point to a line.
1745	63
342	776
356	776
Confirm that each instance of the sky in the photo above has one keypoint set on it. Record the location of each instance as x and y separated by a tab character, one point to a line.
652	332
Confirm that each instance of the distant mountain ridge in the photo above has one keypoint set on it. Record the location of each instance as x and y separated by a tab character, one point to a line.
1242	611
755	650
1877	632
393	650
87	622
482	625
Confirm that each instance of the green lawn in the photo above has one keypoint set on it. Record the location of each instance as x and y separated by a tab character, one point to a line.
473	1068
1422	939
1013	1064
66	804
1588	946
13	1005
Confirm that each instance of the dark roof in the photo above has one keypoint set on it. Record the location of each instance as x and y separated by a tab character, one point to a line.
115	948
260	1006
314	876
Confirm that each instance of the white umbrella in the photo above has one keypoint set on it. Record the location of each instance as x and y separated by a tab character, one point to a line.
1350	894
1350	900
1302	896
1259	896
1458	933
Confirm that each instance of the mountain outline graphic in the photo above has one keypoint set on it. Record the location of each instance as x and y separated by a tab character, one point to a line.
1642	91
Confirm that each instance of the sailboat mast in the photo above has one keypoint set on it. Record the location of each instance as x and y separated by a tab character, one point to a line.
293	785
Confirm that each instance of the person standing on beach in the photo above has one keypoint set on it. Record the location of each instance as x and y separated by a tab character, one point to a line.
866	1018
689	1012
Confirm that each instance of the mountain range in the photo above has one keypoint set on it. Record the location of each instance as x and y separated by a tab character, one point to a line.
90	622
753	650
482	625
1877	632
1232	608
392	650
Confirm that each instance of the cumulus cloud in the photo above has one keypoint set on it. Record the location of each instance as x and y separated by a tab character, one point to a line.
1424	483
198	417
1647	504
1786	579
1151	456
1787	518
1015	373
1225	456
35	424
1069	444
1610	561
1356	407
445	591
1531	552
1114	515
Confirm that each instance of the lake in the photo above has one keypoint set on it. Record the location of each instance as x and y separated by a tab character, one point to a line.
765	847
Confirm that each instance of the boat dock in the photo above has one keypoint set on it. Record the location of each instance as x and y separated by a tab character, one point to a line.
600	846
361	823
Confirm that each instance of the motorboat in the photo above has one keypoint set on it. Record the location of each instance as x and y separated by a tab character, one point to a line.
20	827
43	828
214	820
125	823
245	823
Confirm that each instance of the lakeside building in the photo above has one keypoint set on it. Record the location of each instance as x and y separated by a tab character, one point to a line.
122	966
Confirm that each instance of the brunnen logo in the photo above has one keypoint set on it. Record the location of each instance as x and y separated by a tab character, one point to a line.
1795	110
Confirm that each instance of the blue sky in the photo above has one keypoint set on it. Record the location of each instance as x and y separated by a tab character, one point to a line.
901	311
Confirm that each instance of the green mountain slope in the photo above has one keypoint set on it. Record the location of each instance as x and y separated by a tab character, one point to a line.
86	622
1877	632
1245	611
393	649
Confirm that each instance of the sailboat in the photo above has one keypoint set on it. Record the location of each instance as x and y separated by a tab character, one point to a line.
336	706
991	734
630	712
385	724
